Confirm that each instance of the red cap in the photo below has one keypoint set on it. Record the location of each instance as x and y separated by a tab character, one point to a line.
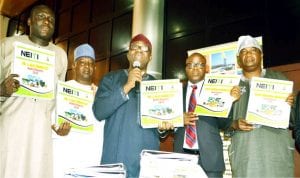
143	38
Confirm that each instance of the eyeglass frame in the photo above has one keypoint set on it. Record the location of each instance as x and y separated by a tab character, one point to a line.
136	47
195	65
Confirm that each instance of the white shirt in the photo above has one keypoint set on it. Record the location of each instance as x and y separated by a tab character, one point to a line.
78	149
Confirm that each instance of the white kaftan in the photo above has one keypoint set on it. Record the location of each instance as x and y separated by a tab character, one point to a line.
25	123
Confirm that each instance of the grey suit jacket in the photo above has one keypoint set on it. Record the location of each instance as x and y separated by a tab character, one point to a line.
209	140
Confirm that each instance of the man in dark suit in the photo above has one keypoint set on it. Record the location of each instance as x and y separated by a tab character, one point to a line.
208	144
297	121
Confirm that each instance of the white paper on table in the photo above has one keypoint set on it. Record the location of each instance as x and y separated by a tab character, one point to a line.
102	171
169	165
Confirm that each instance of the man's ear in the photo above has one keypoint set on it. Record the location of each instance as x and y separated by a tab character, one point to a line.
238	60
127	55
28	21
74	65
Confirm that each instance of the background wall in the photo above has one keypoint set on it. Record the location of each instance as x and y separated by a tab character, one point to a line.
193	24
106	25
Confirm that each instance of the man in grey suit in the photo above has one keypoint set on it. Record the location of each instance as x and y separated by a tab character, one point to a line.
208	144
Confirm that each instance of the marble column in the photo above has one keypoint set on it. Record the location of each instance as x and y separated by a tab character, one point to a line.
148	18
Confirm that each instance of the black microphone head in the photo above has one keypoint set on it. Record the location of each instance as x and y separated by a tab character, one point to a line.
136	64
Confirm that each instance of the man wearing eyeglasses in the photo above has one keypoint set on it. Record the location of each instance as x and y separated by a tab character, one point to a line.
207	142
116	102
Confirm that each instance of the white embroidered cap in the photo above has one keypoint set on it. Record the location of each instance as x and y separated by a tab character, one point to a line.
246	42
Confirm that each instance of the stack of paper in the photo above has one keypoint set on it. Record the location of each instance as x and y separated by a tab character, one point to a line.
169	165
104	171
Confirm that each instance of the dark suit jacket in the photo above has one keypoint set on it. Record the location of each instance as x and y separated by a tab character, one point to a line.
209	140
297	120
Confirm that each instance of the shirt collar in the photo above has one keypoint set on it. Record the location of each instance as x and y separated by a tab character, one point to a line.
199	84
262	74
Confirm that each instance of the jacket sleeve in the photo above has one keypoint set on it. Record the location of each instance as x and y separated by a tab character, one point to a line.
225	123
297	121
109	97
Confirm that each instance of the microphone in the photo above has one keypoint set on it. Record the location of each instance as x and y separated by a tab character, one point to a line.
137	64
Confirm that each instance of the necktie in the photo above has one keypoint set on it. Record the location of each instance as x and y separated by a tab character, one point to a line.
191	129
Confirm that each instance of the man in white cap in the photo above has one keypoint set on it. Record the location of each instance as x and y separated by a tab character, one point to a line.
80	149
257	151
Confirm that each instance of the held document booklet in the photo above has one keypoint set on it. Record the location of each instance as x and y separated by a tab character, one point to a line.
267	102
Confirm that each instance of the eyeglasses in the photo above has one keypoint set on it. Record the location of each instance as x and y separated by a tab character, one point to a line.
195	65
142	48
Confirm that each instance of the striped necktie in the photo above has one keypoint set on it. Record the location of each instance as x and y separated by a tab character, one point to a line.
191	129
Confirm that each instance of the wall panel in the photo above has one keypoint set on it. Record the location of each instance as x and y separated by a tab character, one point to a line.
100	39
73	43
121	33
101	10
119	62
64	23
101	68
185	16
81	16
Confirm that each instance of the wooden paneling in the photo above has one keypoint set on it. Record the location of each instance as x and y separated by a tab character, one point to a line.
185	17
119	62
63	4
167	143
101	10
81	16
122	5
64	23
121	33
12	8
70	74
100	40
101	68
74	42
292	71
106	25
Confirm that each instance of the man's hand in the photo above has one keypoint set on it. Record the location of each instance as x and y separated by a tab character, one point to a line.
133	76
165	126
9	85
235	93
94	89
290	99
190	118
63	129
242	124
